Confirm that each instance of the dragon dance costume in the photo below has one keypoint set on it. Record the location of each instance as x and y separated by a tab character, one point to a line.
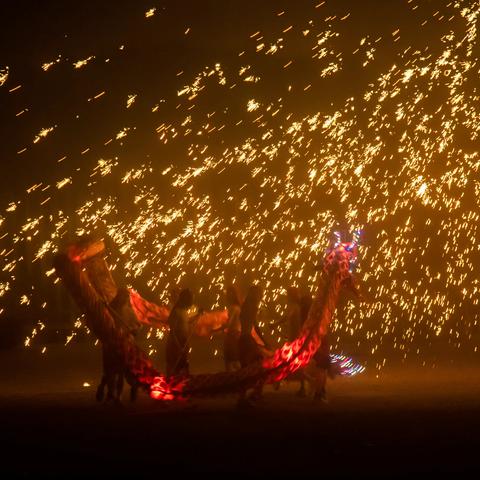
85	273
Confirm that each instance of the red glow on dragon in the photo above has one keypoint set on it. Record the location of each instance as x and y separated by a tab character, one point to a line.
336	273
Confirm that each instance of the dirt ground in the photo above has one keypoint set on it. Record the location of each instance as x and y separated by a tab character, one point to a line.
415	420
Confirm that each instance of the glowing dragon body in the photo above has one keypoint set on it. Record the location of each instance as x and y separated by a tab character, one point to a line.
76	265
87	277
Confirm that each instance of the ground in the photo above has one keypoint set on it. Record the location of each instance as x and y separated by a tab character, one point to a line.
408	420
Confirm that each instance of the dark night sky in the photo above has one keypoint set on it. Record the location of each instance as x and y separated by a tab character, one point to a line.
155	51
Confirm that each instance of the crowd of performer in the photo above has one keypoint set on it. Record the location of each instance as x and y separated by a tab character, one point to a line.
243	342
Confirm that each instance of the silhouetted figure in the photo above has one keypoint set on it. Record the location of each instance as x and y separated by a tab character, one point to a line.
232	335
173	295
248	349
177	340
295	318
113	375
113	364
306	301
322	363
317	375
123	313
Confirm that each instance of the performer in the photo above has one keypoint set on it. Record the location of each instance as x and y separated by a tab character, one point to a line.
114	368
173	295
248	348
322	360
233	330
306	301
293	320
322	363
113	375
123	312
295	317
177	340
318	370
293	314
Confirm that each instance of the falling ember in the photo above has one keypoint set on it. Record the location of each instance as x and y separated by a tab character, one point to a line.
47	65
150	13
131	100
65	181
421	190
3	75
81	63
42	134
252	105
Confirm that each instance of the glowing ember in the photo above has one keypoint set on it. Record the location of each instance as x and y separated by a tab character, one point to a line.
399	158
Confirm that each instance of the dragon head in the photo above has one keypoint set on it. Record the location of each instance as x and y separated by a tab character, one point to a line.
341	259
